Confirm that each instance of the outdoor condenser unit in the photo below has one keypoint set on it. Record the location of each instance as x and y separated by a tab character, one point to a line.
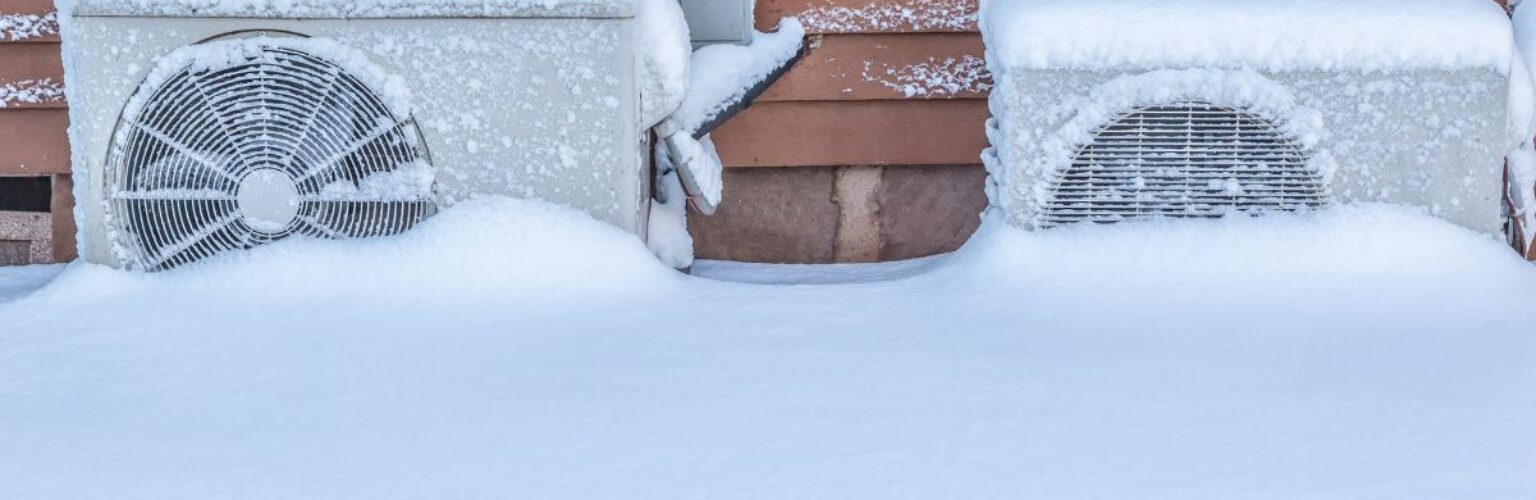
1108	110
205	126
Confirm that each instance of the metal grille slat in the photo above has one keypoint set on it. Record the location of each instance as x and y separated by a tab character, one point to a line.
1188	159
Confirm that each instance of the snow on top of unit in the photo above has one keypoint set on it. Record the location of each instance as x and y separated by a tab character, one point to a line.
1271	35
354	8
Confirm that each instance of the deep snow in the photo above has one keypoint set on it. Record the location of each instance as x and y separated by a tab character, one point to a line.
511	349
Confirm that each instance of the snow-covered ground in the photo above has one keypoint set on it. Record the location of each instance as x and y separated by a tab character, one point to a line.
18	282
514	350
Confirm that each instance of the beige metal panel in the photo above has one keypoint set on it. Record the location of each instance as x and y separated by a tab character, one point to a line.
537	108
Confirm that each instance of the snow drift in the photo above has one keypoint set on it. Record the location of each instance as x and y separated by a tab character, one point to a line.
513	349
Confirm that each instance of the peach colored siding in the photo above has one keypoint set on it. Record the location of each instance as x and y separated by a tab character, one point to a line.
887	67
882	124
33	132
42	138
884	82
837	133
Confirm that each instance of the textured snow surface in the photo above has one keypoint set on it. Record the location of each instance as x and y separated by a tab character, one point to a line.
18	27
1259	34
31	92
17	282
827	16
698	162
348	8
813	274
936	77
513	350
721	75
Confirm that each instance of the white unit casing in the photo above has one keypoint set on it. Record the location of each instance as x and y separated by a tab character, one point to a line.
515	98
1127	121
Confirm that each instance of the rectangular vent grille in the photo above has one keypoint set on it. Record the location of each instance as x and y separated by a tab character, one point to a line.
1186	159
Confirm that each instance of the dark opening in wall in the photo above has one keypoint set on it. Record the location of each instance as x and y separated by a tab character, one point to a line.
25	194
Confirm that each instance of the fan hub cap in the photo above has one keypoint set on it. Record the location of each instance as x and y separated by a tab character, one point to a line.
268	200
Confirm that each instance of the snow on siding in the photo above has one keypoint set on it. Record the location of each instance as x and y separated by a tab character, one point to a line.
935	78
19	27
912	15
31	92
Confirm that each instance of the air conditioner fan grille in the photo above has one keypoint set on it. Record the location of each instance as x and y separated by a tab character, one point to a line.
1185	159
277	143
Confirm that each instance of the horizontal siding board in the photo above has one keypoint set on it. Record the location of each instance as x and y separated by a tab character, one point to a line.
40	8
31	76
871	16
793	134
44	134
27	6
886	82
30	61
878	67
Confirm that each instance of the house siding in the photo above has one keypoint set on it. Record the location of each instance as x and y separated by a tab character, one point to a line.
889	103
34	120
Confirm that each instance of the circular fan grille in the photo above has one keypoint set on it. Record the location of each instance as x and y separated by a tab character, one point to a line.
1186	159
277	142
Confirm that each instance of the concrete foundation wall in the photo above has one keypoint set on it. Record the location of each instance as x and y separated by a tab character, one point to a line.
815	215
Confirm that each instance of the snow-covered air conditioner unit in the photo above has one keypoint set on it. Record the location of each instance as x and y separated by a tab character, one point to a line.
1107	110
203	126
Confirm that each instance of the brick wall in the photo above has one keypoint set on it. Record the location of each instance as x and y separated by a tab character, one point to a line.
867	150
33	130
